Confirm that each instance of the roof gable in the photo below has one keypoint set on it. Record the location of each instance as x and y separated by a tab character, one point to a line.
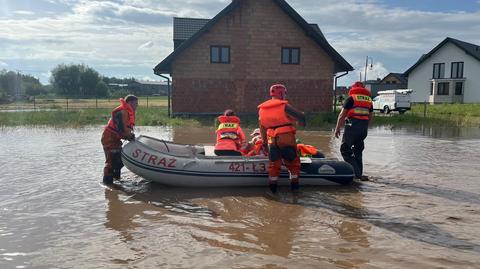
311	30
469	48
399	76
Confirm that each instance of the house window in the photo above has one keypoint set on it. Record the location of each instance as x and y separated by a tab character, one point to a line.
442	88
431	88
439	70
220	54
290	55
457	70
458	88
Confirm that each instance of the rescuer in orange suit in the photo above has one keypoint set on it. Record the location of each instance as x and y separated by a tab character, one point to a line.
120	126
276	120
230	136
356	113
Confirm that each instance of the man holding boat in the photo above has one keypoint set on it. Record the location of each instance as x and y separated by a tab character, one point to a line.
120	126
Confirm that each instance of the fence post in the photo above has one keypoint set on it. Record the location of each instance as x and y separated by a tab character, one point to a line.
147	101
34	103
424	109
96	102
67	103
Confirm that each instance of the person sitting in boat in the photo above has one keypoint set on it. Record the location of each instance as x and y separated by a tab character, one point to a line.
120	126
230	136
276	119
308	150
256	144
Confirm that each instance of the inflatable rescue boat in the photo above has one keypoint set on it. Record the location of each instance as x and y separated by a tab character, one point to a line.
197	166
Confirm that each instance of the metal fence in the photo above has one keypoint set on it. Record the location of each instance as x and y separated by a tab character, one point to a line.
69	103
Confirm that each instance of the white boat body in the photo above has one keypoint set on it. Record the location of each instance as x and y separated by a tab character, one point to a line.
197	166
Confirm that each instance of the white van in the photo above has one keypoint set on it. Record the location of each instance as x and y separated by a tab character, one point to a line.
393	100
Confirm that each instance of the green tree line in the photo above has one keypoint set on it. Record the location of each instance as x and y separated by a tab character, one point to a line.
72	81
14	84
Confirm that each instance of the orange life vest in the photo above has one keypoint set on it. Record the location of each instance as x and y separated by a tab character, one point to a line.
229	134
361	107
257	148
112	125
272	116
306	150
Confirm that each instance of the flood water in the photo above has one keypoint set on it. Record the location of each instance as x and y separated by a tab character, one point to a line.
421	210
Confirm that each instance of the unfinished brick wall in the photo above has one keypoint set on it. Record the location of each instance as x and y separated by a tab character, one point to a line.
256	31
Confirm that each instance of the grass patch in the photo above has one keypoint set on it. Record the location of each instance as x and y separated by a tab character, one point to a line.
448	114
82	117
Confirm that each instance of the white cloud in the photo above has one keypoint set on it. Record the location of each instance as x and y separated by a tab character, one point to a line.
146	45
3	64
24	12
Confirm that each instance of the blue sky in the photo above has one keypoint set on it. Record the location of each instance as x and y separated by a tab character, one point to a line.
126	38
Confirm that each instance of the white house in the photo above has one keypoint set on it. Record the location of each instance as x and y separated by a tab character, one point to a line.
449	73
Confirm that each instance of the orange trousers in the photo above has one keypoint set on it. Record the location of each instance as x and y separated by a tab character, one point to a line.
283	150
112	147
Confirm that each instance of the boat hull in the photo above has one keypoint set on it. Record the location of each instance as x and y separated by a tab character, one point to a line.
188	166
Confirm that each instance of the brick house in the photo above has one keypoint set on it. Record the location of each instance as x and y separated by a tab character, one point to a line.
231	60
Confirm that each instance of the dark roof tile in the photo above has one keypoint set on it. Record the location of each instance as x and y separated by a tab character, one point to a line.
184	28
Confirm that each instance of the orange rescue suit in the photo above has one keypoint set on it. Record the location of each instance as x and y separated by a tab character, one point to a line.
230	135
281	139
362	103
273	117
120	126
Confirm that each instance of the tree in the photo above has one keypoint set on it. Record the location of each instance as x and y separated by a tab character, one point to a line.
101	89
75	80
89	80
65	79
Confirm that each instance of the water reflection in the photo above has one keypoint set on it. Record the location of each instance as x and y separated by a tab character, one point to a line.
120	214
235	219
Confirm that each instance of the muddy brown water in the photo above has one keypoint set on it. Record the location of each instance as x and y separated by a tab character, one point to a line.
421	210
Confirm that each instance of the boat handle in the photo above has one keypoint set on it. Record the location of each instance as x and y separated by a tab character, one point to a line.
165	143
188	163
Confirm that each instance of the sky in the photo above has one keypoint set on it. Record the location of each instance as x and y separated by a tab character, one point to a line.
127	38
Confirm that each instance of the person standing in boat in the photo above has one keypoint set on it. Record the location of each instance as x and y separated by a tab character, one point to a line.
356	113
230	136
276	120
120	126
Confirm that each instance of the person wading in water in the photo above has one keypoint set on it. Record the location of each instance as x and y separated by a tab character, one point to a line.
120	126
276	120
356	113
